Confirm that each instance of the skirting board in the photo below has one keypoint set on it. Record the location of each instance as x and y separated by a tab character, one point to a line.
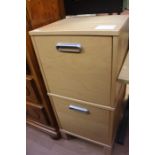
50	131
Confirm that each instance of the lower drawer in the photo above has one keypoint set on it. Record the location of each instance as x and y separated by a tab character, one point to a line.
84	120
36	113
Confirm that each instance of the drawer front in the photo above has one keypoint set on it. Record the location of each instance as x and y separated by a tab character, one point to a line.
32	93
36	113
84	120
83	75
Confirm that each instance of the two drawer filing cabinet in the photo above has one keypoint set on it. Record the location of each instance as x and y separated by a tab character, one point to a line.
80	59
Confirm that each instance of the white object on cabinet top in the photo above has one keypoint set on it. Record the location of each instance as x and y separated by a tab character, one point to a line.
93	25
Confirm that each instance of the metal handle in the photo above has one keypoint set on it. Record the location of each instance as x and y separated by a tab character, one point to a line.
73	107
68	47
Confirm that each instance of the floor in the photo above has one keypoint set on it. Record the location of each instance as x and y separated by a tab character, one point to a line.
39	143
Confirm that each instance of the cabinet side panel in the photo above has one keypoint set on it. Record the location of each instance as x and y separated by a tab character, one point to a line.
120	49
123	45
116	116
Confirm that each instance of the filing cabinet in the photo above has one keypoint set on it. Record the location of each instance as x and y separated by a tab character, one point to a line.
80	59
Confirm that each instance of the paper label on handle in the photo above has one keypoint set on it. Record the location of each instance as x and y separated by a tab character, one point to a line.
105	27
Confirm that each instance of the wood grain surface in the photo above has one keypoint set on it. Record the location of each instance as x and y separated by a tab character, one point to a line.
85	76
108	25
93	125
87	79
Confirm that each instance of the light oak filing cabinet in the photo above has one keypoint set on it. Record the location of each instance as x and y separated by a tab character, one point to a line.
80	59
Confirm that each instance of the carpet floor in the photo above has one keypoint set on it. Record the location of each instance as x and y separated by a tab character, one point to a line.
39	143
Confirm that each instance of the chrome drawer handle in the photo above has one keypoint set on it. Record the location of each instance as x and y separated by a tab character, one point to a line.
73	107
68	47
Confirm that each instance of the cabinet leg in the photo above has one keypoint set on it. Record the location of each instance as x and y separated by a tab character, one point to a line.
65	136
56	137
107	151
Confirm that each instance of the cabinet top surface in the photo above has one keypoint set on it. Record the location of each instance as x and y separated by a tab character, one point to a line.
94	25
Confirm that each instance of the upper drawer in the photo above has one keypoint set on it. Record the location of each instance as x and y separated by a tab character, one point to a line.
84	73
